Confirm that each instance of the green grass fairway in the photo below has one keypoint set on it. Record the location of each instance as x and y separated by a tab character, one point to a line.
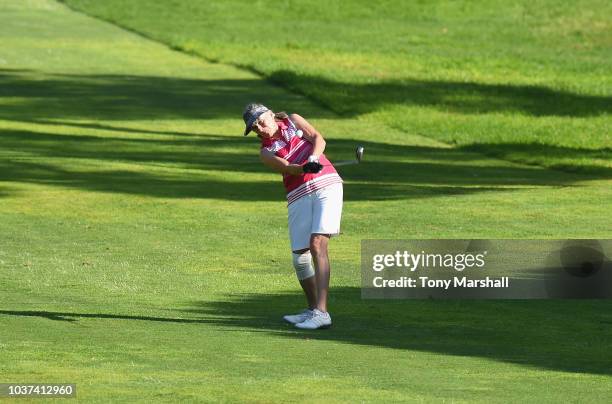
522	80
143	246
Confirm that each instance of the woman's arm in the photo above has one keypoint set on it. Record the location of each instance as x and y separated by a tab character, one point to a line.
279	164
309	133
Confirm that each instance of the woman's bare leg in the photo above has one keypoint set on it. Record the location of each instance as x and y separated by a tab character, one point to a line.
318	249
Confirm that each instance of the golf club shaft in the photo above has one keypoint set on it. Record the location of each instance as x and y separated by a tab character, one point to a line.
345	163
358	154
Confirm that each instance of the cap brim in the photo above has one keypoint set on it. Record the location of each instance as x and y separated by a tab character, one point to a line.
249	125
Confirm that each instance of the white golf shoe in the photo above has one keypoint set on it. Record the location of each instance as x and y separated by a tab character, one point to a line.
318	319
298	318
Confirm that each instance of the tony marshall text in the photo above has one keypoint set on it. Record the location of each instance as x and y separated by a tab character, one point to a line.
426	282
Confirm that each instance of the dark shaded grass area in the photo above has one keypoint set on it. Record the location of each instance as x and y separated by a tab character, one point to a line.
351	99
57	98
131	97
534	333
139	97
74	317
391	171
531	152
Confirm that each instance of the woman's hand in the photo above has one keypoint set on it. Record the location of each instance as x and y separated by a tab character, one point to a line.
312	167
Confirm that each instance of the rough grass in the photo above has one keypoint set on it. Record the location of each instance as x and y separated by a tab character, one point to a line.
144	252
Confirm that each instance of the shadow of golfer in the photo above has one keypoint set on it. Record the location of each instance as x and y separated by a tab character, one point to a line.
534	333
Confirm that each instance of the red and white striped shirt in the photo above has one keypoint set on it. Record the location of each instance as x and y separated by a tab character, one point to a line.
295	149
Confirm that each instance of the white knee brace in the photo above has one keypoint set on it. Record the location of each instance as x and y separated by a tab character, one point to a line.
303	265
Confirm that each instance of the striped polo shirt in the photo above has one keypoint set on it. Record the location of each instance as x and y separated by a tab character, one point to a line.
292	147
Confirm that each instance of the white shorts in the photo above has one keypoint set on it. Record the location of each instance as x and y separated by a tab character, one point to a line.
318	212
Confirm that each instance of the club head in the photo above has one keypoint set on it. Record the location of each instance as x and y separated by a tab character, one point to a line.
359	154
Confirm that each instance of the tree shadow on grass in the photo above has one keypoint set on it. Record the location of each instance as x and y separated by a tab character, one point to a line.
561	335
110	128
351	99
73	317
557	157
572	336
390	171
129	97
188	166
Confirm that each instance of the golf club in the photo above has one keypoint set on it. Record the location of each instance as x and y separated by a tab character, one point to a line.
358	157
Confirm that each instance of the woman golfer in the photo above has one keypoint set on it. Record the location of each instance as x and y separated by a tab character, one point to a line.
291	146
